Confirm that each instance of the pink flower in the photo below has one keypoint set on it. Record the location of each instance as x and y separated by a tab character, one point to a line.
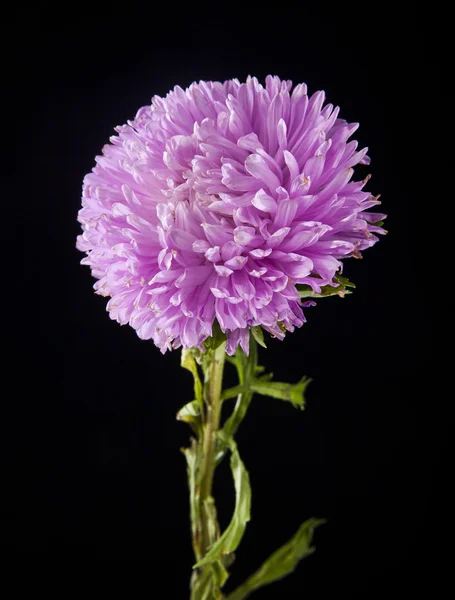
215	202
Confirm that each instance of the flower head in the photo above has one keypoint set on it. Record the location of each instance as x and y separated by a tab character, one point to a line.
215	202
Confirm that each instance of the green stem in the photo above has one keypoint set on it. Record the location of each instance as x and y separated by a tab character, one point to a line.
246	370
233	392
214	552
207	580
212	398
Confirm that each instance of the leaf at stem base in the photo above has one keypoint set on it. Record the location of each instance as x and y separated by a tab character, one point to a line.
282	562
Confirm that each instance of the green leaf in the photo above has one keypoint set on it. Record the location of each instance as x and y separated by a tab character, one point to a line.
345	281
203	587
191	413
293	392
217	337
188	362
250	362
221	574
193	468
258	335
305	291
233	392
247	368
219	569
265	377
232	535
282	562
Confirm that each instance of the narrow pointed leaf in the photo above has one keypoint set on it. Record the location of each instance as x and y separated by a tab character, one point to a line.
345	281
231	537
282	562
233	392
220	573
247	367
193	466
305	291
266	377
191	413
258	335
188	362
292	392
219	569
217	337
281	325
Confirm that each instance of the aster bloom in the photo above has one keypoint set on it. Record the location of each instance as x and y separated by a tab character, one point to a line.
217	202
219	212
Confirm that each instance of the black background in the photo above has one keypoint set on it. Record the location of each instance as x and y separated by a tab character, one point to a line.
92	441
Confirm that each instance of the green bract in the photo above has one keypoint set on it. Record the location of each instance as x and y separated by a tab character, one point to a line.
305	291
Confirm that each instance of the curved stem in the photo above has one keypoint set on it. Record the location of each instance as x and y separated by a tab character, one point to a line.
246	369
